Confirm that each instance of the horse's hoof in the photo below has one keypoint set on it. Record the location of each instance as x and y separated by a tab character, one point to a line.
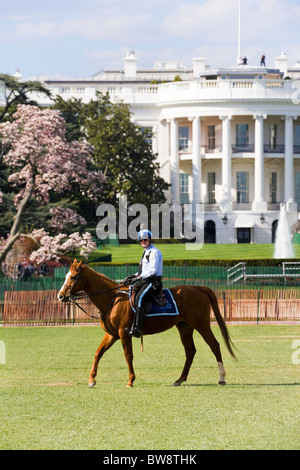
91	384
222	382
129	386
178	383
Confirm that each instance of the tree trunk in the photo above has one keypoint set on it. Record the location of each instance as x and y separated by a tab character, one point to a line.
14	231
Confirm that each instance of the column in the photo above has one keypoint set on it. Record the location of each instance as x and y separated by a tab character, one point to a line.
174	154
226	203
259	203
196	160
289	184
163	149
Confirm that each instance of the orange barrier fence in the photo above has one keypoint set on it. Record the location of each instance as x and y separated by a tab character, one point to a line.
43	308
260	306
245	305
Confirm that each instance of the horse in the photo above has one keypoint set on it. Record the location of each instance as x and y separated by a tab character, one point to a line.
193	302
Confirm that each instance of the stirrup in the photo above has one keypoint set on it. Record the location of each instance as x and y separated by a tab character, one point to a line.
136	332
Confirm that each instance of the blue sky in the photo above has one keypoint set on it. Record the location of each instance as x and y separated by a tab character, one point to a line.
78	38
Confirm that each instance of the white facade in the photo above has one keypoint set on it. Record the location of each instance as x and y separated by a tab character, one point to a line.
226	138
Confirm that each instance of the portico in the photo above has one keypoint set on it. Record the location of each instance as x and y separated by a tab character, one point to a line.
242	178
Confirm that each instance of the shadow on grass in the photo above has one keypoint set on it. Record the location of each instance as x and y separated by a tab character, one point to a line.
242	385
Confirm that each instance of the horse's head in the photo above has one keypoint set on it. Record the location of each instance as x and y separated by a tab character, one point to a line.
73	282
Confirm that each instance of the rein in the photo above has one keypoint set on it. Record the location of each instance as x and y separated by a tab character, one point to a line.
83	295
101	316
72	298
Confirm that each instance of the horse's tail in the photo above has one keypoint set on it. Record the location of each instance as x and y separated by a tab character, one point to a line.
219	318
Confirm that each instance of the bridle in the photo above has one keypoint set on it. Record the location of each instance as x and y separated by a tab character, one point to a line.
76	277
83	295
72	298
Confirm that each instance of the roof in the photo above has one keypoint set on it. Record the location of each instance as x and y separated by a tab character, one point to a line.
241	70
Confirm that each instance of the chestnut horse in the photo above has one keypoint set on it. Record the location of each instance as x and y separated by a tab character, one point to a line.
193	302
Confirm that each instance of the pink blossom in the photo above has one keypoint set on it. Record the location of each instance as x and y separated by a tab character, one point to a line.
40	154
65	217
53	248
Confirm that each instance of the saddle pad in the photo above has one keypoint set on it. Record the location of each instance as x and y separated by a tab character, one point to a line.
170	308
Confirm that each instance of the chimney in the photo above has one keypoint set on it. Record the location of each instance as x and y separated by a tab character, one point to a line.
281	63
199	65
18	75
130	67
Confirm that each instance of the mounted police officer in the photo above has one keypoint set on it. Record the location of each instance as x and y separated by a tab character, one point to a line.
147	281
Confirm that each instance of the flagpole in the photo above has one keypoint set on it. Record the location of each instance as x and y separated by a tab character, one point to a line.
239	58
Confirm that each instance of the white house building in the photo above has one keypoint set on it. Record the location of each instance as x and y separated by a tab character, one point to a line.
227	138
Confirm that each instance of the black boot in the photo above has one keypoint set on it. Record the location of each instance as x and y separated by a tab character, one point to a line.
136	329
133	331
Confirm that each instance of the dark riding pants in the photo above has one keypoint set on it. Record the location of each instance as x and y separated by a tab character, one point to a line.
145	289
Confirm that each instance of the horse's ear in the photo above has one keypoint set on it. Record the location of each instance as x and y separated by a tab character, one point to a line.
79	265
75	261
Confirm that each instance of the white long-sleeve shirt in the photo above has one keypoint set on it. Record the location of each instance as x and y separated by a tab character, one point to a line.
152	262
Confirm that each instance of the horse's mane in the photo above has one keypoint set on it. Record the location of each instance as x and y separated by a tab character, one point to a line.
105	278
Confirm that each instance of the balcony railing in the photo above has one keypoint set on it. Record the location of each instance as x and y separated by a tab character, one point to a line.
274	148
250	148
186	151
280	148
241	206
216	149
211	207
273	206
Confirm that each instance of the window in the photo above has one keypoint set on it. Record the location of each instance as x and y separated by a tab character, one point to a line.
210	232
184	188
211	188
242	135
183	137
64	89
211	137
272	136
297	139
244	235
147	133
297	187
274	230
273	187
297	135
242	186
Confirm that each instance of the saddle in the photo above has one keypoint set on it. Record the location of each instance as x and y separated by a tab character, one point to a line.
159	299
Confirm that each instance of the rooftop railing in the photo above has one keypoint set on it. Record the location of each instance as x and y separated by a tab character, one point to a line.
224	90
204	90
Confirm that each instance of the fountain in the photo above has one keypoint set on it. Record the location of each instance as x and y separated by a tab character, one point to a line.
283	240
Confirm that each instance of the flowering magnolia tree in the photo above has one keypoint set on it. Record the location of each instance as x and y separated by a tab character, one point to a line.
53	248
39	247
35	148
65	218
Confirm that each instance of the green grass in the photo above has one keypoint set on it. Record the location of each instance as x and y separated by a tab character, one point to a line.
177	251
45	402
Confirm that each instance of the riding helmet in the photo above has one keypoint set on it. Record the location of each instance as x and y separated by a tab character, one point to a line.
144	235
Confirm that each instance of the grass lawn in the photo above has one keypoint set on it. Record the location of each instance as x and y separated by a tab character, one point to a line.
45	402
240	252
